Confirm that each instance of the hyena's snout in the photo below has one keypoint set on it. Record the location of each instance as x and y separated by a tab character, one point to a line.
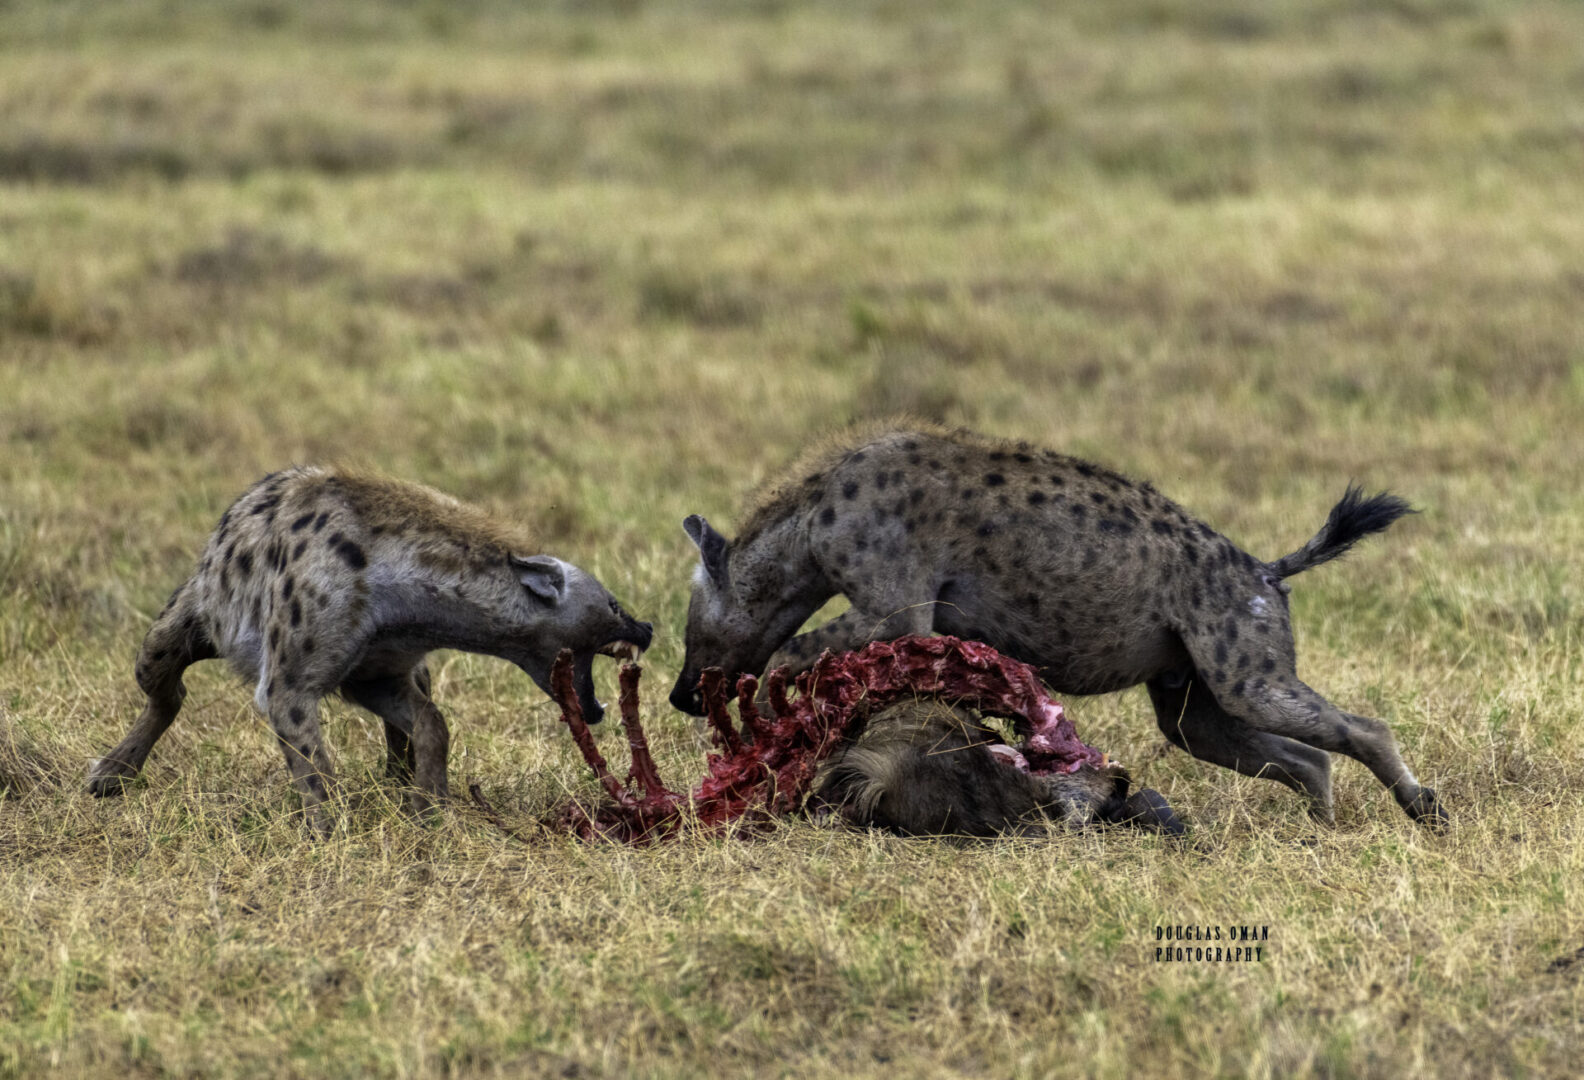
686	695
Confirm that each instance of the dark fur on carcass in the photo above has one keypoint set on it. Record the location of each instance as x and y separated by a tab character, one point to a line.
924	767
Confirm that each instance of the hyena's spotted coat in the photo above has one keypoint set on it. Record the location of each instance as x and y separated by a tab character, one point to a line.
1100	582
318	580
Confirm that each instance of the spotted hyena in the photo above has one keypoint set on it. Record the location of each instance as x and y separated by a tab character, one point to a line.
319	580
1100	582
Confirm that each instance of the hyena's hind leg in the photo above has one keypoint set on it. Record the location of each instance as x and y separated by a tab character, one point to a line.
1255	681
175	641
1190	718
295	717
417	739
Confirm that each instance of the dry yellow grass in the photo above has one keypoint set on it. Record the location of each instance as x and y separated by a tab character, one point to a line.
602	268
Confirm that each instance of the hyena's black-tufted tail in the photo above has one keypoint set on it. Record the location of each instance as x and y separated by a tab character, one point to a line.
1352	519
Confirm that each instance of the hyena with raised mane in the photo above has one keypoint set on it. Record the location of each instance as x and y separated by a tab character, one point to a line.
320	580
1100	582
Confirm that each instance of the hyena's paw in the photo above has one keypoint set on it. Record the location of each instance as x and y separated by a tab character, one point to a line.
109	776
1425	808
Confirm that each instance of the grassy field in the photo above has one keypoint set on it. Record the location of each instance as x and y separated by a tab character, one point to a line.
600	266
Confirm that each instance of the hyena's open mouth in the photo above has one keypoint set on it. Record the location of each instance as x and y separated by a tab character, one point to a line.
622	649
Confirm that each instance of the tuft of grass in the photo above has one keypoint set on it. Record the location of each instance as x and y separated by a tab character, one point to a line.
605	266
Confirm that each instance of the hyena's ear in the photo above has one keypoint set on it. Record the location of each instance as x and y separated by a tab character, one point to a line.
542	575
711	545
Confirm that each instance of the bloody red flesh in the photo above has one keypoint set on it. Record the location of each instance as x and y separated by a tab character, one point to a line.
751	782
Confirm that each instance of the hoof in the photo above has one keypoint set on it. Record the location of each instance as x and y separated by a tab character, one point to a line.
1147	809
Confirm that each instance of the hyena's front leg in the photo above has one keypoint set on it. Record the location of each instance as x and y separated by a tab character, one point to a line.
852	629
174	642
418	741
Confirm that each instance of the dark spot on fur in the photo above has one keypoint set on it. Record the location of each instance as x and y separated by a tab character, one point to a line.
1057	479
994	479
1206	531
1085	469
297	717
987	528
308	646
1099	498
1221	652
1091	556
351	554
1269	665
1036	497
1078	511
1191	553
296	614
997	455
828	515
850	489
244	563
297	552
269	691
1023	459
302	523
274	638
862	544
881	481
1237	688
319	522
1129	516
1197	598
266	506
1232	630
287	586
1163	528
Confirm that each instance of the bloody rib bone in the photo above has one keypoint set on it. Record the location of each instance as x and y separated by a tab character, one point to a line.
572	715
751	783
643	767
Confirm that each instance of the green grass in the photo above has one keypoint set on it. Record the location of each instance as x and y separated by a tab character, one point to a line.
601	267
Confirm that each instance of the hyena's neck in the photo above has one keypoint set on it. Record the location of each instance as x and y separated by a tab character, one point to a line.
450	610
776	568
